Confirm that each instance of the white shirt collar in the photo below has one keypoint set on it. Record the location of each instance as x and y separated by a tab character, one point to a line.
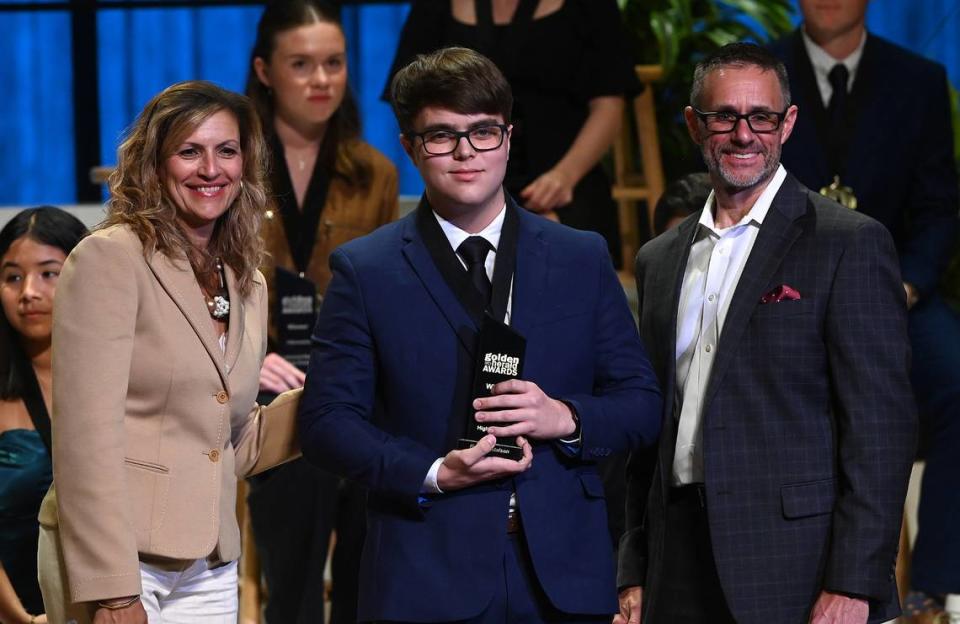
758	212
456	236
823	62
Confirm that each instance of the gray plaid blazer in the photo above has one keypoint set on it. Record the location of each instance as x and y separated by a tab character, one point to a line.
809	421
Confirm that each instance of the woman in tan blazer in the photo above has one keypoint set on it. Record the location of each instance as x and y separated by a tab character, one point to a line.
159	334
330	187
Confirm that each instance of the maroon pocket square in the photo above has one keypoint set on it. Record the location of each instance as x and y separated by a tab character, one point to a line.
781	293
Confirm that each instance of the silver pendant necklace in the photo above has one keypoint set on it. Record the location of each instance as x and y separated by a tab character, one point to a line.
219	304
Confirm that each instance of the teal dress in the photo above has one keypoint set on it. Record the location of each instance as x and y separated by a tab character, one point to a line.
25	476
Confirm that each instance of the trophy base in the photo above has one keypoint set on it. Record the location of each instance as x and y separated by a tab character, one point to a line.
500	449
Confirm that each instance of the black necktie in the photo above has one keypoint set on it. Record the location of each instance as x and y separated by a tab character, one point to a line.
838	100
474	253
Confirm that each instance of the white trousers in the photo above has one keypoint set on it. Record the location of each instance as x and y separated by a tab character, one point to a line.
189	595
193	595
952	607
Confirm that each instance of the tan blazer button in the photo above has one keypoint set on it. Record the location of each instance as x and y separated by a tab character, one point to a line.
215	455
222	397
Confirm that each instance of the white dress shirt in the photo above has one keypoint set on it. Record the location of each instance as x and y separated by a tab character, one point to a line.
456	236
823	63
715	262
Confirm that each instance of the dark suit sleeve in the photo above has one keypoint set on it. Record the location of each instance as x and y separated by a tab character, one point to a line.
336	432
933	202
875	417
623	411
632	553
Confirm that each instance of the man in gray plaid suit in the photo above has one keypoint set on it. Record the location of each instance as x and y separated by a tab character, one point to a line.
776	322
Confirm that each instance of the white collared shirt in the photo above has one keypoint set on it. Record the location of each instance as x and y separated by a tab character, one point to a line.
714	264
823	63
492	233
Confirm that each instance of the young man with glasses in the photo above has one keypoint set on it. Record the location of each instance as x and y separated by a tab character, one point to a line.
777	325
464	534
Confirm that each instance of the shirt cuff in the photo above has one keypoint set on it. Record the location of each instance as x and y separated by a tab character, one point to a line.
571	445
430	482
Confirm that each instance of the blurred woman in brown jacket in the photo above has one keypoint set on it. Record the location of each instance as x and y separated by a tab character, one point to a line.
330	187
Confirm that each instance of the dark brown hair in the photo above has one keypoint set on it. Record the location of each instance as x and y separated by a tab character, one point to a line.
139	201
46	225
456	79
680	199
344	125
740	55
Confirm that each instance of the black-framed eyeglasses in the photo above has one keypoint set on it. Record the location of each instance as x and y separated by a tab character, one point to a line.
481	138
721	122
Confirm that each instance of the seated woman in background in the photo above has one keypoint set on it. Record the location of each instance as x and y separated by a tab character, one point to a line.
160	328
330	187
33	246
569	65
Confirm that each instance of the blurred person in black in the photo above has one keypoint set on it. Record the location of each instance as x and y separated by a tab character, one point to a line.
877	128
329	187
569	66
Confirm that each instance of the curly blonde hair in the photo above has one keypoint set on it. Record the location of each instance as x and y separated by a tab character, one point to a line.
139	201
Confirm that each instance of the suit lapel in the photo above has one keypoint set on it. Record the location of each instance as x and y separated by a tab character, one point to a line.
182	287
237	320
529	279
669	280
530	275
777	235
666	289
417	254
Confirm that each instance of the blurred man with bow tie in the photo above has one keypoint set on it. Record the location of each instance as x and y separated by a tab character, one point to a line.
776	322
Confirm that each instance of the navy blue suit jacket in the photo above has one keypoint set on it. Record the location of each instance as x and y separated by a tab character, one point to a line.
386	396
808	418
900	156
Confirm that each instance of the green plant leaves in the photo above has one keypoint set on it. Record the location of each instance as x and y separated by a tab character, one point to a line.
664	28
774	16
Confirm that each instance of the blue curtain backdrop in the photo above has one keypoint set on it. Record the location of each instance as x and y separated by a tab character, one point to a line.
36	109
142	51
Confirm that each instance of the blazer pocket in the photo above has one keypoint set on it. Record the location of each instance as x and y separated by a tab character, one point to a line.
148	485
783	309
145	465
592	485
813	498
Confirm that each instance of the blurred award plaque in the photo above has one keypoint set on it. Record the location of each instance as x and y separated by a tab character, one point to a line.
296	313
840	193
500	352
